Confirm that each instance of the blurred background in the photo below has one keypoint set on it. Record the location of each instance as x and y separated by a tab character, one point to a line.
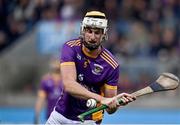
144	35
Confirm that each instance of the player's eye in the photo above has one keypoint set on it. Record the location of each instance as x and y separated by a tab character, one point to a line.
97	32
88	30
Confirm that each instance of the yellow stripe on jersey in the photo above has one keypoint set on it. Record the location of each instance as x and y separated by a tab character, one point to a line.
77	43
74	43
110	87
110	57
105	54
67	63
70	42
108	61
102	91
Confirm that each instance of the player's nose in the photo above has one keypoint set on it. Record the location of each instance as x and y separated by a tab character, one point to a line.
93	36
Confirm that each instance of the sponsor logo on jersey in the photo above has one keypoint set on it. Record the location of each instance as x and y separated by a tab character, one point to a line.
78	56
81	77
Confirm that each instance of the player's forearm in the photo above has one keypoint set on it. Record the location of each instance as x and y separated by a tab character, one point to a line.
109	93
38	108
40	102
79	91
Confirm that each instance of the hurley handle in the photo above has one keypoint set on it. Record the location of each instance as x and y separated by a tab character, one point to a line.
102	107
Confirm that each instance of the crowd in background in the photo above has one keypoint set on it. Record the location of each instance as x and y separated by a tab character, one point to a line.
137	28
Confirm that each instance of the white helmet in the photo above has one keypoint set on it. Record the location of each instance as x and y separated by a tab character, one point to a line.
94	19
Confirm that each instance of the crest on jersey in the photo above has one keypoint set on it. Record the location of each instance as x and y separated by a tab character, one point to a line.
97	69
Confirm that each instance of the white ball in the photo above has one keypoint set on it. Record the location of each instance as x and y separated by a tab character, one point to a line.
91	103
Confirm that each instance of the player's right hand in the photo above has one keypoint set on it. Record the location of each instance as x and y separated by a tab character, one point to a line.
125	98
110	102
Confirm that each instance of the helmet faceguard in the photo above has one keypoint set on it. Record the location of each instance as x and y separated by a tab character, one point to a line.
94	19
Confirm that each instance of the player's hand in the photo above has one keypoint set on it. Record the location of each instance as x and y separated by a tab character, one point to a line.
110	102
125	98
